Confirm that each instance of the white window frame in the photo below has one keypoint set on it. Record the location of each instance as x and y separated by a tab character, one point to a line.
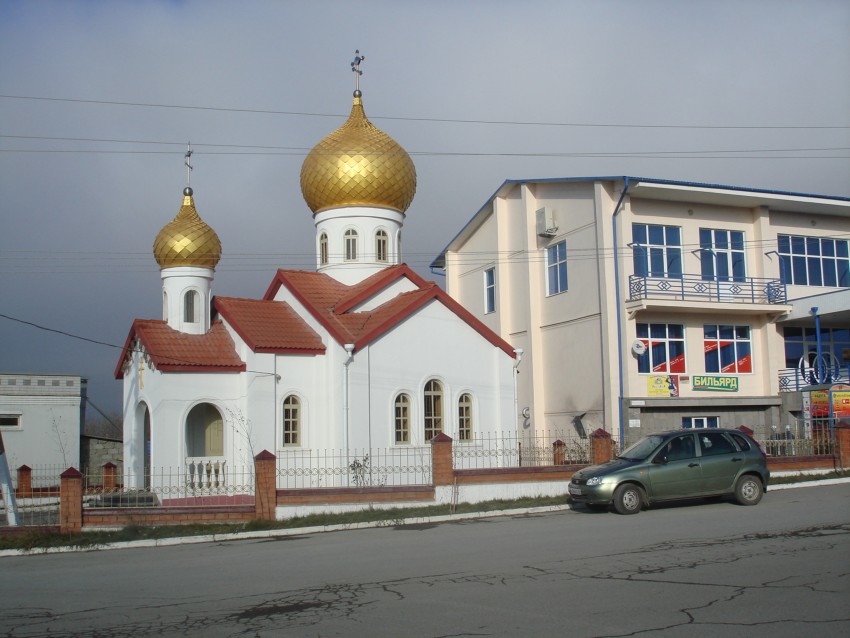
490	290
401	420
700	422
298	420
382	246
555	265
465	417
350	239
323	249
433	419
17	416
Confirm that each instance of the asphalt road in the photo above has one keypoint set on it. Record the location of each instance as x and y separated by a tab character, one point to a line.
708	569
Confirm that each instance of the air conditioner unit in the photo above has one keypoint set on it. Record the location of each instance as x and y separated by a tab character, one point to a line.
546	222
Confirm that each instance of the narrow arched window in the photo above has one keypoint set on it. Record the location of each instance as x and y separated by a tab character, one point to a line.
351	245
323	249
190	307
382	243
164	306
464	417
291	420
433	409
402	418
398	247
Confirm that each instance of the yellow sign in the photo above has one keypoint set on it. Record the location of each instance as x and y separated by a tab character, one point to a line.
662	385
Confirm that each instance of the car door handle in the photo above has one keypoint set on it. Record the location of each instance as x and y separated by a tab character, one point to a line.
736	459
693	464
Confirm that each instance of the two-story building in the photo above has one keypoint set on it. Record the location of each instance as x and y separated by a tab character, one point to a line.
646	304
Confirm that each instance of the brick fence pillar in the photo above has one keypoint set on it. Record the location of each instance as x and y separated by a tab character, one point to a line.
24	482
442	470
558	452
265	487
601	450
842	444
71	501
110	476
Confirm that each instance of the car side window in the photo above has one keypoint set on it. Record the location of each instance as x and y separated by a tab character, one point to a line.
679	448
714	443
743	444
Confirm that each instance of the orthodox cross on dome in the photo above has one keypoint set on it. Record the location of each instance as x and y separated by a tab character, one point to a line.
186	159
355	66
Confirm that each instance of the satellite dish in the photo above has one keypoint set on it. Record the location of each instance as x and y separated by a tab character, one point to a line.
638	347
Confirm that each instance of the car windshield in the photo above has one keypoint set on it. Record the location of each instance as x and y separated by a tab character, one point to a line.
643	448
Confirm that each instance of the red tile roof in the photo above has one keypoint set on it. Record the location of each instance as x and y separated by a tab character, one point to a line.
173	351
269	326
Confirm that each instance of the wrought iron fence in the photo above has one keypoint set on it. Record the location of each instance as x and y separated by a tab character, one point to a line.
366	467
197	484
538	449
37	496
794	379
799	439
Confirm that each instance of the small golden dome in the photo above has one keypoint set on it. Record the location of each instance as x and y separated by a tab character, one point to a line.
187	240
358	165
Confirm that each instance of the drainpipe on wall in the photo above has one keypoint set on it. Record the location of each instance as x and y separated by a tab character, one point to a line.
518	352
820	373
617	209
349	349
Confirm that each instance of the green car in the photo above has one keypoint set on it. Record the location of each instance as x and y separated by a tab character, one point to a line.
675	465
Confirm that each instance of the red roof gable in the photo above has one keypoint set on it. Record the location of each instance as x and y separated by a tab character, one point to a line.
330	302
269	326
174	351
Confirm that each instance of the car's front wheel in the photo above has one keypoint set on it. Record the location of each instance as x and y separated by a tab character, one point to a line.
748	490
628	499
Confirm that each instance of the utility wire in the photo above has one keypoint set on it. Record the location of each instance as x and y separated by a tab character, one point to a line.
421	119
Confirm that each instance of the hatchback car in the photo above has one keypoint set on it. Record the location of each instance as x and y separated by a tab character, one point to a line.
676	465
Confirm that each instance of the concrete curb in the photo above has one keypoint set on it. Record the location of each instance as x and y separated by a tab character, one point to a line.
302	531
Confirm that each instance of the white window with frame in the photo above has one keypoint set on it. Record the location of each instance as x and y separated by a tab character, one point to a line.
489	290
814	261
10	421
657	250
402	418
722	256
382	246
323	249
464	417
291	421
433	409
700	422
556	268
350	241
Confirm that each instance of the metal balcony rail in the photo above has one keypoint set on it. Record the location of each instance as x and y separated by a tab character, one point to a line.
794	379
752	290
401	465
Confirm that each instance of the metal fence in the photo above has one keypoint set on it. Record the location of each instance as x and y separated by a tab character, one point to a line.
799	439
38	502
753	290
538	449
366	467
194	485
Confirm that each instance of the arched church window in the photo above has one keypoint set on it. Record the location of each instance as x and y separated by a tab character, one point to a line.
164	306
382	243
291	420
464	417
351	245
190	307
398	245
204	431
323	249
402	418
433	409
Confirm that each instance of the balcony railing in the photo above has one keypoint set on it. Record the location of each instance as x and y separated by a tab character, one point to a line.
794	379
752	290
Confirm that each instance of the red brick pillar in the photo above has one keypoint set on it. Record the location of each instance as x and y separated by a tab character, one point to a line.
558	452
265	486
601	450
110	476
441	457
24	482
71	501
842	444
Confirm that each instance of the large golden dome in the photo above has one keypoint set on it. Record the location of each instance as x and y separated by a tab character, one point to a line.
187	240
358	165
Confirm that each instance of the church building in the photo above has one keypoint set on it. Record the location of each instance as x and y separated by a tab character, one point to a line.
360	353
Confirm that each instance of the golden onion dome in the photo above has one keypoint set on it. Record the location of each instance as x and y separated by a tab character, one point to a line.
187	240
358	165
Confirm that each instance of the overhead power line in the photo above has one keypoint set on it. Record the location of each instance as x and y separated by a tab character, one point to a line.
426	119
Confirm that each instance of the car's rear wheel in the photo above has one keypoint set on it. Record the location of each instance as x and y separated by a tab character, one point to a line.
748	490
628	499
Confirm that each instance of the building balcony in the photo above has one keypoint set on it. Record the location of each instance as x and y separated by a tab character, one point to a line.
795	379
693	293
